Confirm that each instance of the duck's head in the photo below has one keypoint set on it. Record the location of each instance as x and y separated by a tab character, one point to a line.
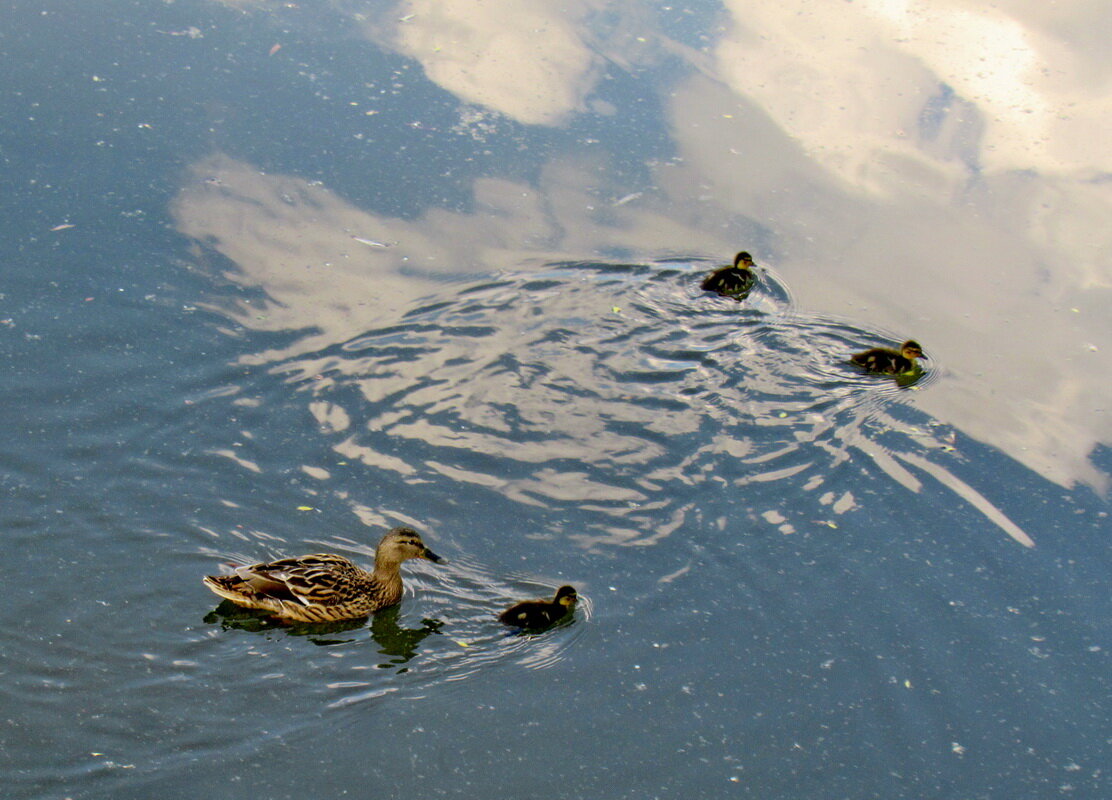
743	260
912	349
566	596
401	544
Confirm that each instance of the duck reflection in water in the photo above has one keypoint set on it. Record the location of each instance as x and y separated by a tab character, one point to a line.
736	281
398	643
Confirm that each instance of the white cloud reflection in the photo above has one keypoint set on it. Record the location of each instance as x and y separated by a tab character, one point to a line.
856	81
523	58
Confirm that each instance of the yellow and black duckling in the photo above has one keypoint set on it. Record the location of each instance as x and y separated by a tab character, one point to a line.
736	281
534	614
324	587
886	361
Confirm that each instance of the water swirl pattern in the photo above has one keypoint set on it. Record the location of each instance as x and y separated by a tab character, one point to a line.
600	385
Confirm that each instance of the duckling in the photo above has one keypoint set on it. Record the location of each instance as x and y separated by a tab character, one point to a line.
324	587
736	281
886	361
533	614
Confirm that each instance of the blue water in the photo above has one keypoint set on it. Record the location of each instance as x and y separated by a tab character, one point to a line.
795	582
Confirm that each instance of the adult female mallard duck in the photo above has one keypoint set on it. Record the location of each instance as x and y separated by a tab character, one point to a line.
540	613
886	361
324	587
736	281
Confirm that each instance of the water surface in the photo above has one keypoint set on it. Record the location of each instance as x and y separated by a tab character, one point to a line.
277	278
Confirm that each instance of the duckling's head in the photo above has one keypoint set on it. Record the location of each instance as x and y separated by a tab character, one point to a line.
743	260
911	349
401	544
566	596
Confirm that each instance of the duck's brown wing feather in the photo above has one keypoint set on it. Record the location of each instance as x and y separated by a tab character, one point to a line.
317	579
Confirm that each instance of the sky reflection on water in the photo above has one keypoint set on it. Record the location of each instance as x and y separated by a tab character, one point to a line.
867	150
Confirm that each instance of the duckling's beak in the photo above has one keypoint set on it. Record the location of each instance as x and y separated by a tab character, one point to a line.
924	355
433	557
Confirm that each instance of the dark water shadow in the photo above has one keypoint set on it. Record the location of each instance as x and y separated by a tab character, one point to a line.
565	621
398	643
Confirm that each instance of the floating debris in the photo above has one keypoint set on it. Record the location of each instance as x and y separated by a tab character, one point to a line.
192	32
372	242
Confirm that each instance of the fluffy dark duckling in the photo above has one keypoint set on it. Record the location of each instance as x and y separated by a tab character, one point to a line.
324	587
736	281
535	614
886	361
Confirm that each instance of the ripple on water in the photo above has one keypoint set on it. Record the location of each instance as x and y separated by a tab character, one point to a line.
611	383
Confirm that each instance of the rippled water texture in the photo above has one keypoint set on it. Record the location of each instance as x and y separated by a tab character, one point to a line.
621	390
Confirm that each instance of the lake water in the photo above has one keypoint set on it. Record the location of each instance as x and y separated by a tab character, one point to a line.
279	276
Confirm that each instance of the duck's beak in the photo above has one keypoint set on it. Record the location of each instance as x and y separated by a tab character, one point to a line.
433	557
924	355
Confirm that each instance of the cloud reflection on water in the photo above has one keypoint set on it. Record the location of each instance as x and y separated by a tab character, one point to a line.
865	81
583	386
523	58
921	168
